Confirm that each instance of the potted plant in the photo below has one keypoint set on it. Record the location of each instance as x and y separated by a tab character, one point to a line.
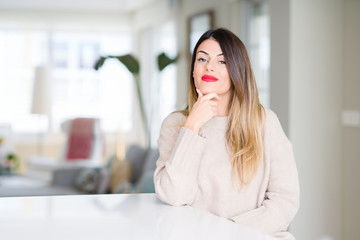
9	164
132	64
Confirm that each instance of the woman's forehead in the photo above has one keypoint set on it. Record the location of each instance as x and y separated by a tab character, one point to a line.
210	47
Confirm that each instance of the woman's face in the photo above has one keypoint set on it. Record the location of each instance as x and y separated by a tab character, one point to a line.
210	72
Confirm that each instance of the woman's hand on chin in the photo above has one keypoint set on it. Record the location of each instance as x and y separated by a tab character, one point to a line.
204	109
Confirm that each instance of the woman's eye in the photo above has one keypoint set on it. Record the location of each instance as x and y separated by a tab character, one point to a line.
222	62
201	59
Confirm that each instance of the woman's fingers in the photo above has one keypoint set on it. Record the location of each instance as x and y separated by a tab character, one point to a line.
203	110
207	96
209	100
213	103
199	93
211	96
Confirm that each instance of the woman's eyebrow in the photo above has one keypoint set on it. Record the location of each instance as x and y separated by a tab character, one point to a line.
201	51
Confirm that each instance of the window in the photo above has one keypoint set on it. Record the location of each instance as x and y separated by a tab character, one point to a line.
76	89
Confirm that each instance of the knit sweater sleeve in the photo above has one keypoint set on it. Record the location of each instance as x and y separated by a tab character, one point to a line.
281	201
176	172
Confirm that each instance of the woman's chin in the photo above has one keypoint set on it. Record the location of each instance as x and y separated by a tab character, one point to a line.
207	90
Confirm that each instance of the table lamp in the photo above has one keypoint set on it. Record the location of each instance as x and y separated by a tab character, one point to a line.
41	98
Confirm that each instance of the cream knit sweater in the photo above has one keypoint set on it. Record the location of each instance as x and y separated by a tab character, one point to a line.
196	170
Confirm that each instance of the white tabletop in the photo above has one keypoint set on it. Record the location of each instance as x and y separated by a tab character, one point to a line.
114	216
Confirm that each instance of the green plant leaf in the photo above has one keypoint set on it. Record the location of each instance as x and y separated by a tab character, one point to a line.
99	63
130	62
164	61
11	156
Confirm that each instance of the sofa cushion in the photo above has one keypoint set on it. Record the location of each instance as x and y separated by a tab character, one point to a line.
104	182
125	187
120	172
66	177
88	180
150	161
146	183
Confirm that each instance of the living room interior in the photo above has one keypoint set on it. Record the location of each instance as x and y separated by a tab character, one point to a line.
305	56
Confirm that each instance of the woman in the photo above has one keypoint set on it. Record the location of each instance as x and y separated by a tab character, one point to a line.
225	153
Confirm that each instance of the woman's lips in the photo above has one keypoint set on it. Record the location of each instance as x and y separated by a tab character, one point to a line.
209	78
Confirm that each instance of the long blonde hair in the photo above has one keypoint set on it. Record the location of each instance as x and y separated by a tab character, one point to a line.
246	114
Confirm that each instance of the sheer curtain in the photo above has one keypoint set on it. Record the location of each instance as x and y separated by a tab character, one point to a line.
159	87
258	45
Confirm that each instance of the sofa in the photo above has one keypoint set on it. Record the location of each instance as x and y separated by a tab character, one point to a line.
134	174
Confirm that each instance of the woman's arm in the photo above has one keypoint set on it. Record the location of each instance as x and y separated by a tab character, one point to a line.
282	197
176	171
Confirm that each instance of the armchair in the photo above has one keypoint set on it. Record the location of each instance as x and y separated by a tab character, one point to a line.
83	148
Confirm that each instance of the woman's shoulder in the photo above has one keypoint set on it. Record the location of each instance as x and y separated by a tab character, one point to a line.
271	119
176	118
269	114
272	123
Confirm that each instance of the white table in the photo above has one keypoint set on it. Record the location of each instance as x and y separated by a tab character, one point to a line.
116	216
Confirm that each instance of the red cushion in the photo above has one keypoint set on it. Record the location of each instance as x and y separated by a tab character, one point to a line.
81	139
79	147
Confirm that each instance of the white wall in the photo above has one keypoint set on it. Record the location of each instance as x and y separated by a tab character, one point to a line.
316	71
351	135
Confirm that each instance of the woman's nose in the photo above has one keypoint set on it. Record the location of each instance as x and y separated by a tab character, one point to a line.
209	66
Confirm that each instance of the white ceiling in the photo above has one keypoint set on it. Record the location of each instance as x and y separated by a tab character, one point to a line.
77	5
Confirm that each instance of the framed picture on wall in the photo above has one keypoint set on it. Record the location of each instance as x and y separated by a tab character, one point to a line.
197	25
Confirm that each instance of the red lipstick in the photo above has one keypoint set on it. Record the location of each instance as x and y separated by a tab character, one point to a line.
209	78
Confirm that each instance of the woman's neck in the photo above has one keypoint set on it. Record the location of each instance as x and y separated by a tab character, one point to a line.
223	105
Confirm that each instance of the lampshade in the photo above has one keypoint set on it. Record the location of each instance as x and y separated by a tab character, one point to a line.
41	91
